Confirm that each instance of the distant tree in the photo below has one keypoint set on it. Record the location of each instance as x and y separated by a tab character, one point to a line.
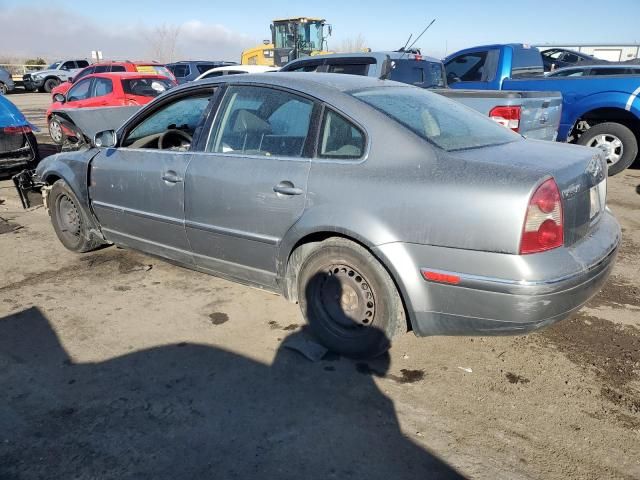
353	44
35	61
163	42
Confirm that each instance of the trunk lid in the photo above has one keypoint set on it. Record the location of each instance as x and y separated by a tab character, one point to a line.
579	172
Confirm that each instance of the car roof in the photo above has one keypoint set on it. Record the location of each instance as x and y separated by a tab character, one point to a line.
184	62
380	56
126	75
305	82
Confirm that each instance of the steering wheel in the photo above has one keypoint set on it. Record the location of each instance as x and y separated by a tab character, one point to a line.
173	131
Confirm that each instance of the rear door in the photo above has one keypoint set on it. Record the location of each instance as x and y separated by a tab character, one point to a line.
249	186
137	189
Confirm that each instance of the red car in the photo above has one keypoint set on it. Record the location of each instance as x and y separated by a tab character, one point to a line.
105	90
115	67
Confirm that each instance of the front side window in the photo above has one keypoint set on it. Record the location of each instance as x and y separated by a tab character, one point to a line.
101	87
340	138
101	69
80	91
70	65
261	121
466	68
175	122
180	71
443	122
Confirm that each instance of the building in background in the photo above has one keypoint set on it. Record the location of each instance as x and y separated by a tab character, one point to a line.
610	52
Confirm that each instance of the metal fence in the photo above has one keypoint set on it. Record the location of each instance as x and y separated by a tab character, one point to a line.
17	70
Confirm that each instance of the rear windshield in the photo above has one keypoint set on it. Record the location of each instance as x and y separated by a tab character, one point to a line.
421	73
443	122
157	69
145	87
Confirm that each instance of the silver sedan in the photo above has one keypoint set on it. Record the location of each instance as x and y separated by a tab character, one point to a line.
378	207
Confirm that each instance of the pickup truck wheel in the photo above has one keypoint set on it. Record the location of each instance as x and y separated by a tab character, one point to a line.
69	220
50	84
617	141
349	300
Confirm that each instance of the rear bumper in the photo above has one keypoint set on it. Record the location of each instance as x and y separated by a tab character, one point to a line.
501	293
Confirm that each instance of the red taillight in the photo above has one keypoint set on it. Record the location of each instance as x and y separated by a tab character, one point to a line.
543	225
506	116
17	130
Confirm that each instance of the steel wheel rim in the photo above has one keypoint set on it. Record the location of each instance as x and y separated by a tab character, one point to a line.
55	130
346	300
611	145
69	219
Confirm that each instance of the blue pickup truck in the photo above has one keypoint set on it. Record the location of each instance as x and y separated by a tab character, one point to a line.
601	111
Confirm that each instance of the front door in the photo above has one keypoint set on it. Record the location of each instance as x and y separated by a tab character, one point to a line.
137	189
249	186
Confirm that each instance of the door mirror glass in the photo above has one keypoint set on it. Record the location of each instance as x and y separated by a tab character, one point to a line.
105	139
58	97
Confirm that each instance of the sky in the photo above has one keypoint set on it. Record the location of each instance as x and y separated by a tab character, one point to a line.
220	30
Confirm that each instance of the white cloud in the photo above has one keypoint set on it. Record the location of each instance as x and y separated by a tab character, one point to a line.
53	33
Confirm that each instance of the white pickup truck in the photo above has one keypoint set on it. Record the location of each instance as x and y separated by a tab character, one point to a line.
56	73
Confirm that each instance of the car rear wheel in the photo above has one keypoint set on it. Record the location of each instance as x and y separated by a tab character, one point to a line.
349	300
50	84
618	142
69	220
55	131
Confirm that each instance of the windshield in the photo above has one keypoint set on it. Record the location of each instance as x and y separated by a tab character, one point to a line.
309	36
443	122
54	65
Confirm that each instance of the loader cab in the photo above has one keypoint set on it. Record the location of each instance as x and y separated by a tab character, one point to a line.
293	38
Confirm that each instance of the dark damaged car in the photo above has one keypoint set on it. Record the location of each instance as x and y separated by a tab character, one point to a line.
377	206
18	146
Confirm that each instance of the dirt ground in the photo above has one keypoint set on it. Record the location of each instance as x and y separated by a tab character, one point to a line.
116	365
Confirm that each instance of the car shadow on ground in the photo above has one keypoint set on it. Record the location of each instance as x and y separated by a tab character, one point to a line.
193	411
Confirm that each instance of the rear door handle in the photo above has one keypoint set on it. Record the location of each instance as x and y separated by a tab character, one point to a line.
287	188
171	177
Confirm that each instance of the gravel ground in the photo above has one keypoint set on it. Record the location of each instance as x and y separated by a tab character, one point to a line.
118	365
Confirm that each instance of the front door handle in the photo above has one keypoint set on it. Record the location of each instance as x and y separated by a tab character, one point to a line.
171	177
287	188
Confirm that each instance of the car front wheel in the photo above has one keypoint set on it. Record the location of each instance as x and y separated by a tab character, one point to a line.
55	131
349	300
69	219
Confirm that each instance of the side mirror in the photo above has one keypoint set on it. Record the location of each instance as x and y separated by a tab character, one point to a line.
58	97
105	139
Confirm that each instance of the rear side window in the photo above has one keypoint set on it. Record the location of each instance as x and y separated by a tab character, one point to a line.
202	67
420	73
82	63
526	62
70	65
214	74
180	71
101	69
340	138
145	87
118	68
443	122
261	121
350	68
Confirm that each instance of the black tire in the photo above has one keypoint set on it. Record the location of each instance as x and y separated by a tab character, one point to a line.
55	130
50	84
70	221
3	89
627	152
349	300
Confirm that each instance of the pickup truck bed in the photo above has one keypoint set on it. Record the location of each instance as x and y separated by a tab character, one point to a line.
539	111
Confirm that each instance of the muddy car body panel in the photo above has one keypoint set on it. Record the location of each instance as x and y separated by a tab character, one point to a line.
428	211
